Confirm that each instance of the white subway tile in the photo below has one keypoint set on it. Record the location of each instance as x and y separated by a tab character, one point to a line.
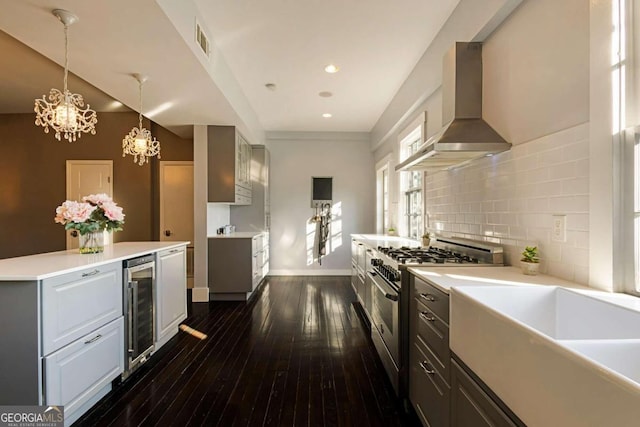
562	171
561	270
575	186
579	150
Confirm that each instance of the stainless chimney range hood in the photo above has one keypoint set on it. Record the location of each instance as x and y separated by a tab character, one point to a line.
465	135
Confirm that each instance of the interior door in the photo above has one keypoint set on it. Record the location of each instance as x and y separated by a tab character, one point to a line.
86	177
176	207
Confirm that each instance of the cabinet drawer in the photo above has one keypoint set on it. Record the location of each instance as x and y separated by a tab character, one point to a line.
77	303
435	334
75	373
428	391
436	300
471	406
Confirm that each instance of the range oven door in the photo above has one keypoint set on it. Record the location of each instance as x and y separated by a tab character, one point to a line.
385	330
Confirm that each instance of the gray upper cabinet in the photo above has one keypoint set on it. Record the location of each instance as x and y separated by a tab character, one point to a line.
228	166
256	216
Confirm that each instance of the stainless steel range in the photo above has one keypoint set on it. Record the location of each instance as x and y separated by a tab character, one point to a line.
388	274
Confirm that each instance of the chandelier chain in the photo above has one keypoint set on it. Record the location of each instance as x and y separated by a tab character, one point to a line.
66	56
140	113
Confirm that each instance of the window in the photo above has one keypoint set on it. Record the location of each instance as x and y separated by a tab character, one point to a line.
411	187
383	221
626	137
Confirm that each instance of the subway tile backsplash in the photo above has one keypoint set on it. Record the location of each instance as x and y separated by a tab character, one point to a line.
510	199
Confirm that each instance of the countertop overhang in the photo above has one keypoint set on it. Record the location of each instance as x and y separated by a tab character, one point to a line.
50	264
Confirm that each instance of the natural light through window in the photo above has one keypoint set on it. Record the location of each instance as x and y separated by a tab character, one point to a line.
411	187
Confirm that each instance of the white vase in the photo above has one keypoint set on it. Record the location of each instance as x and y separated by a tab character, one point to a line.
530	268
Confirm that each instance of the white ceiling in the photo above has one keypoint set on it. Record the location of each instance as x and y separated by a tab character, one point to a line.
375	42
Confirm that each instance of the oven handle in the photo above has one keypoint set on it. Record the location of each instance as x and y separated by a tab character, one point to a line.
387	295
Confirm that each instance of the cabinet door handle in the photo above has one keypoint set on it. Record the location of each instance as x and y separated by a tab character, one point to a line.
91	273
173	251
425	316
94	339
427	297
426	368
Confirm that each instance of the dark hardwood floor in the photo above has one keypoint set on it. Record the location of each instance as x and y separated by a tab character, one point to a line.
296	355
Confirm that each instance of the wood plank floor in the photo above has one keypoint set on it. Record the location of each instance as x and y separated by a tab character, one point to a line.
296	355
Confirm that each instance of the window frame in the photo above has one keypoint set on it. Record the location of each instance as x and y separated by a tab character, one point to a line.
412	182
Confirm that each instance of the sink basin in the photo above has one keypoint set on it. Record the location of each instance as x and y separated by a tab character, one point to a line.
559	313
556	357
621	356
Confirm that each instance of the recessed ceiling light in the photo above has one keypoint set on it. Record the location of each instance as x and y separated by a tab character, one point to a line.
331	68
326	115
325	94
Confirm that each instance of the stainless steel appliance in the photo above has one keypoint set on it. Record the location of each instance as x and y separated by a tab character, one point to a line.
385	319
465	135
391	287
139	313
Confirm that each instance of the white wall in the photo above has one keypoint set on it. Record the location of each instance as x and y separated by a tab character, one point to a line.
511	198
295	158
536	95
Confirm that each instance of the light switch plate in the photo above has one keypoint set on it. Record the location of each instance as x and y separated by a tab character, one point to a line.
559	228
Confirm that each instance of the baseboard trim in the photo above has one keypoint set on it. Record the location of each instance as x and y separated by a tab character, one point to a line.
310	273
200	294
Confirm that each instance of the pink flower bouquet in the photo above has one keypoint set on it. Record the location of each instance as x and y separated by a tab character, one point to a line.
96	212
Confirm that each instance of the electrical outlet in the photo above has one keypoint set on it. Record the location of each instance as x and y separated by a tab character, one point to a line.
559	228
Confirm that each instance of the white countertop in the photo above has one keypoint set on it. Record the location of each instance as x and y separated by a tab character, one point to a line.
375	240
445	277
237	235
42	266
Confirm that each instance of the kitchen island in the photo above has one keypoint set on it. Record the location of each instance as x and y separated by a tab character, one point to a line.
63	340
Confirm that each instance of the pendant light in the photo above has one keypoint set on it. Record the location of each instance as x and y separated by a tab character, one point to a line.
139	143
65	112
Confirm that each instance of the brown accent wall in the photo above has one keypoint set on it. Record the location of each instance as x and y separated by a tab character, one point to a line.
33	174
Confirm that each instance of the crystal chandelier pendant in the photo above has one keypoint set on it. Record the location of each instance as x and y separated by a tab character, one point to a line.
64	111
139	143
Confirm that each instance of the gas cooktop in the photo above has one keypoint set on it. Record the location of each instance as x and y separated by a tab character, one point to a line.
445	252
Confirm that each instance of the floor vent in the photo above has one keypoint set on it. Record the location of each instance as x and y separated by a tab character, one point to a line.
202	40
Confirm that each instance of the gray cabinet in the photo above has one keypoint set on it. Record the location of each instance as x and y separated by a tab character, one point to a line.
228	166
429	355
255	217
236	266
471	406
171	293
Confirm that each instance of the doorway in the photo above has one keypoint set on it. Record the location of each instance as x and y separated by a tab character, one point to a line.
86	177
176	206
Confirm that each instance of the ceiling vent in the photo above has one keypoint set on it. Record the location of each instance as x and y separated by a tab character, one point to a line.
202	40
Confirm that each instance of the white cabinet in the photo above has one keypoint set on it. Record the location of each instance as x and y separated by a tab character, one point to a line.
171	293
77	303
82	336
228	166
75	373
260	256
